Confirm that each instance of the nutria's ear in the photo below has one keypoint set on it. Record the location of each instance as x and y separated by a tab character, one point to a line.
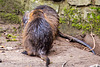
25	18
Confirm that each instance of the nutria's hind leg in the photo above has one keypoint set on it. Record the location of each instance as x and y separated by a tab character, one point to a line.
24	52
30	53
29	47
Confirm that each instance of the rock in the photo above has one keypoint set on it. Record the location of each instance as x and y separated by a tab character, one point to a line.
97	2
9	48
17	50
3	51
0	60
79	2
1	46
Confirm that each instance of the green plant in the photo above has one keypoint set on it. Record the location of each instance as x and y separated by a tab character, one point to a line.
11	10
73	17
10	37
10	18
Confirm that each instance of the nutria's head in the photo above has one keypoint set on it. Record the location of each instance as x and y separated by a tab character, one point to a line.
36	14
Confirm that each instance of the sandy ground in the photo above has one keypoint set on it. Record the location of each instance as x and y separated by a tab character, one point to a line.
61	53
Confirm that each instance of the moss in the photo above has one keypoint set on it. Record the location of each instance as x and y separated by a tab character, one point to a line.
11	37
73	17
11	40
10	18
10	10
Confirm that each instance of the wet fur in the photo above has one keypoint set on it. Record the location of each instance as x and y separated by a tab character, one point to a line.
41	28
38	35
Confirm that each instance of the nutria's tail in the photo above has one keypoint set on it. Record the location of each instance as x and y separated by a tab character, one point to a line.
45	58
73	39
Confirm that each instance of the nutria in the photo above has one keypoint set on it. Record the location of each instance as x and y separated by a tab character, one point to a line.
40	30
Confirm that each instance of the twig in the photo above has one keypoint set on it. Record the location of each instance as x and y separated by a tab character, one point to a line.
64	64
93	41
84	48
92	38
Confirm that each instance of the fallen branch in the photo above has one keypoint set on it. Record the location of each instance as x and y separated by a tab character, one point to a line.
92	35
93	41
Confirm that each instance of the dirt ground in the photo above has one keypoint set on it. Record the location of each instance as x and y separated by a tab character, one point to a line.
63	53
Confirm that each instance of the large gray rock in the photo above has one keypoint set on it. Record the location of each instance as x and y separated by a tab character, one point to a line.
97	2
79	2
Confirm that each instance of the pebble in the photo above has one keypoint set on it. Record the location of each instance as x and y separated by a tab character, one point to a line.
0	61
3	51
9	48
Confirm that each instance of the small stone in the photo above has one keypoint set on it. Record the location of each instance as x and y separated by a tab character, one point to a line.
3	51
9	48
79	2
1	46
0	61
97	2
17	51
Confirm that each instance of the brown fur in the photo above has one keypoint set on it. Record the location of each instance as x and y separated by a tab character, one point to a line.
33	16
42	19
50	17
